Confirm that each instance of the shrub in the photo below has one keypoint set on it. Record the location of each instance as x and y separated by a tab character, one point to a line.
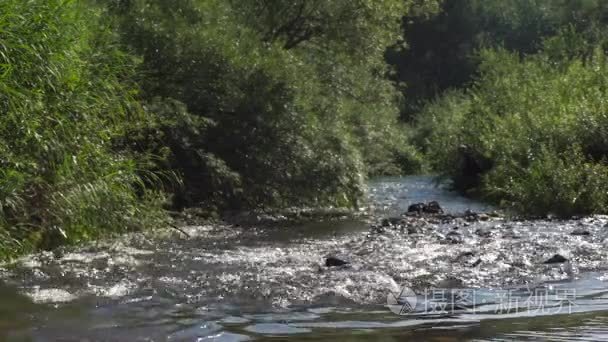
290	107
559	183
64	99
530	132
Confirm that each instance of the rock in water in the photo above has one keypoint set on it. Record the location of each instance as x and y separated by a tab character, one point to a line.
580	232
433	207
556	259
470	216
483	217
392	221
483	232
416	208
475	263
414	230
454	237
334	261
377	229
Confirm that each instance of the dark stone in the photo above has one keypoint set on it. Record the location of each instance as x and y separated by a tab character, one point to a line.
447	218
416	208
334	261
471	216
464	256
433	207
494	213
414	230
511	235
556	259
476	263
449	283
454	237
393	221
467	254
377	229
483	232
58	253
580	232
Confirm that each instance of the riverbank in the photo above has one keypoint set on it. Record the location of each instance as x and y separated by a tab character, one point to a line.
107	119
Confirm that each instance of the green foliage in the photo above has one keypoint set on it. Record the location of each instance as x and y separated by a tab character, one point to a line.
439	51
280	102
358	27
106	105
439	127
561	183
531	132
64	100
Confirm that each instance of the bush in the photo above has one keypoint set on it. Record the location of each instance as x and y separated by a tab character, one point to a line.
530	132
282	109
439	51
559	183
64	99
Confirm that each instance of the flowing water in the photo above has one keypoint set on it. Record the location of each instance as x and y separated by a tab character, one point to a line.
426	279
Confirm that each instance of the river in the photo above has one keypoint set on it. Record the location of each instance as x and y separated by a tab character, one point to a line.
430	279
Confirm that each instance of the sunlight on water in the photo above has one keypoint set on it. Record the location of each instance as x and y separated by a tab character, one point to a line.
232	284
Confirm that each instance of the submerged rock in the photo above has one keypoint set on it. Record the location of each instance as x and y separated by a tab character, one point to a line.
483	232
433	207
333	261
377	229
475	263
450	282
466	254
556	259
416	208
392	221
580	232
470	216
454	237
414	229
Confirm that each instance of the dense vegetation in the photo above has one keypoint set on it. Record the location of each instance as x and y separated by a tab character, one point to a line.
65	98
114	111
524	123
440	45
267	103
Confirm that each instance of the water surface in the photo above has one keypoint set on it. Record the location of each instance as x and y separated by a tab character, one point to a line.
234	283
